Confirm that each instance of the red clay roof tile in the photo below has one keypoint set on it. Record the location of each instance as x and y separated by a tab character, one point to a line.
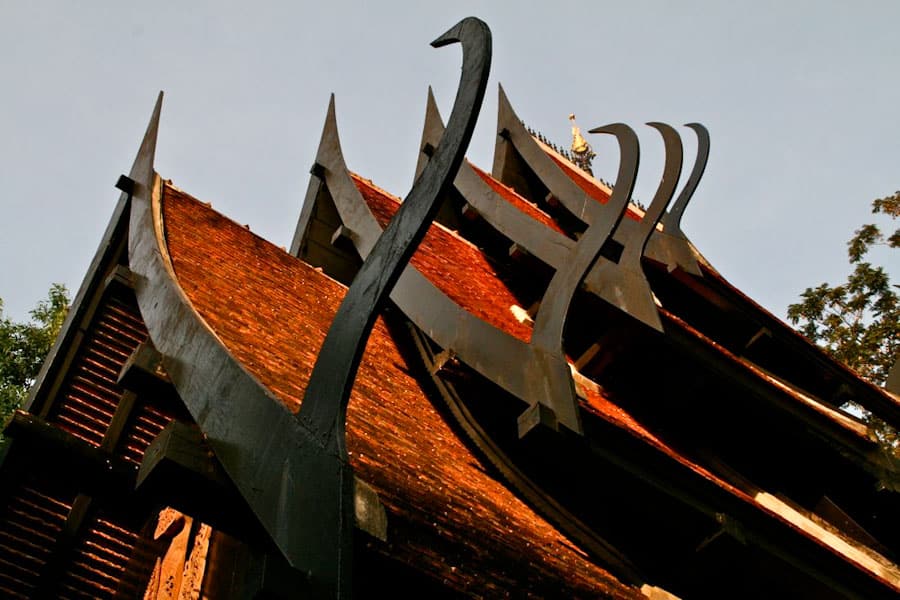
454	265
510	195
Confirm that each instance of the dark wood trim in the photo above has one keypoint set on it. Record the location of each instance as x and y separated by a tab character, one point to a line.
119	421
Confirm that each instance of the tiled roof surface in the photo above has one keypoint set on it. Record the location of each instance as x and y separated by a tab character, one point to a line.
454	265
510	195
589	187
272	312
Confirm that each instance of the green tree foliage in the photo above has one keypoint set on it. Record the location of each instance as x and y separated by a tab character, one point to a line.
858	321
23	347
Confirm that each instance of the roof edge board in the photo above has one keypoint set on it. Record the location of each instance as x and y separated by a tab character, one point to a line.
220	394
745	515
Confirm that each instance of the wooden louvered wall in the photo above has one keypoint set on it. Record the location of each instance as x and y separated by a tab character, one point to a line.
98	564
32	521
99	552
88	400
90	396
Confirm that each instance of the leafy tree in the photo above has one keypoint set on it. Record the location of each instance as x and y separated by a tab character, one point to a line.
858	322
23	347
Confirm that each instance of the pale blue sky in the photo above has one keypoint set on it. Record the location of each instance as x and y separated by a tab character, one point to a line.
802	100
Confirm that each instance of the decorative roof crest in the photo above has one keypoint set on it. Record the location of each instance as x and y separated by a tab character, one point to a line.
582	152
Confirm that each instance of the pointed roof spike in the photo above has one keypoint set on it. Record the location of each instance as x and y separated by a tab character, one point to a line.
330	142
142	168
433	121
329	159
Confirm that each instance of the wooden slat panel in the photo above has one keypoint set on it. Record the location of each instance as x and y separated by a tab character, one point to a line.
90	395
99	560
30	522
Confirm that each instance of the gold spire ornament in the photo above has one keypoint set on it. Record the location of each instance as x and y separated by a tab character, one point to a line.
582	153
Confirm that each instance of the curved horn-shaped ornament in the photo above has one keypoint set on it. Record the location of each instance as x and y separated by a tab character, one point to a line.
672	220
670	246
634	247
624	284
551	317
549	322
324	406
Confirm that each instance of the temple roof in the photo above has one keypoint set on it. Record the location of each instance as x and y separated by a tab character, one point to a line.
272	312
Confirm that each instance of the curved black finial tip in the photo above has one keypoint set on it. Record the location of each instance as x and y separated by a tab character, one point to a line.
611	128
456	33
701	131
668	132
624	134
